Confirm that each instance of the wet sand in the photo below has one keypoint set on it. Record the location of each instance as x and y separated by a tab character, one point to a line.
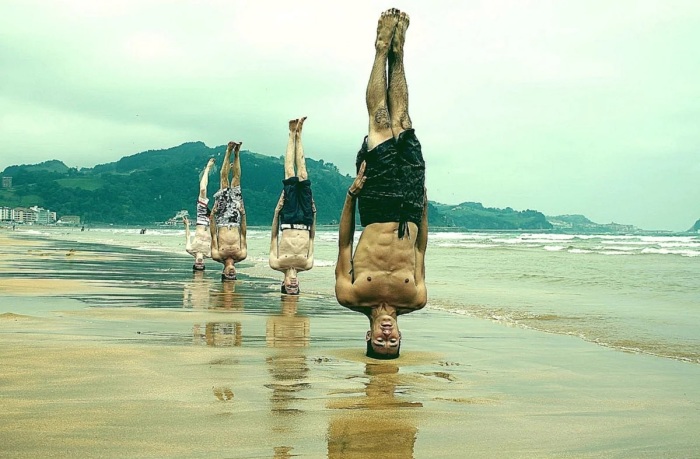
110	352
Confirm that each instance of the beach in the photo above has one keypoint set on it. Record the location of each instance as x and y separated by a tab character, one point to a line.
110	346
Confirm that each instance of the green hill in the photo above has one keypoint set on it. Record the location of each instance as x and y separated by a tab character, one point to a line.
154	185
695	228
473	215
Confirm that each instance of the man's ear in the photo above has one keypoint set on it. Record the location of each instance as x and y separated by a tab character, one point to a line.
368	336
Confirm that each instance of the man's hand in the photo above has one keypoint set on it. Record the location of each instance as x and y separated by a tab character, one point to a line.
185	221
359	182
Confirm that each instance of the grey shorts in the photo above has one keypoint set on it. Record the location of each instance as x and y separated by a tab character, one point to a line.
203	212
228	205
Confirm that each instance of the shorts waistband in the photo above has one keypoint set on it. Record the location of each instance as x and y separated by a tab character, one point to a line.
295	226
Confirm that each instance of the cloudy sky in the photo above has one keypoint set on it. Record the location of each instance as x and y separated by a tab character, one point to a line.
582	106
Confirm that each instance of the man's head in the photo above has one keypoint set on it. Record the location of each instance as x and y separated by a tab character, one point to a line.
383	338
229	272
198	262
290	285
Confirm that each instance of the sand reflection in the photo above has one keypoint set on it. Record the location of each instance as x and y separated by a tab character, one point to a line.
380	421
288	332
195	294
220	333
226	298
287	329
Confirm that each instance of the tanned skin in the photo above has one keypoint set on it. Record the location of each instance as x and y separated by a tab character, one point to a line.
228	244
199	246
293	251
386	275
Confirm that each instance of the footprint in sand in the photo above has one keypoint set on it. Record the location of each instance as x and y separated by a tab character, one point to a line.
223	393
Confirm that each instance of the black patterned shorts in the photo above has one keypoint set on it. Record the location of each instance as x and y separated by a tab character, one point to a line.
394	190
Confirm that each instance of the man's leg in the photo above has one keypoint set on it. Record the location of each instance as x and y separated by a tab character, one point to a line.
398	89
376	96
236	165
204	181
226	166
289	154
300	159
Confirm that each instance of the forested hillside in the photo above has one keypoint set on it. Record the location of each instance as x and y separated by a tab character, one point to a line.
152	186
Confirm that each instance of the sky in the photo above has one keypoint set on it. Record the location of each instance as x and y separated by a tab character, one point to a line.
566	107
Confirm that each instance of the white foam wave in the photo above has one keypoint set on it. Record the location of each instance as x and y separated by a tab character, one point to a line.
554	248
685	253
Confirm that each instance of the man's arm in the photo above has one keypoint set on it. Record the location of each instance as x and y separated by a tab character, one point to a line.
346	236
244	227
186	222
212	230
312	235
421	246
274	248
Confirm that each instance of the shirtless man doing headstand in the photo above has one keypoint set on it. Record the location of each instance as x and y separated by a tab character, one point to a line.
385	277
228	222
295	216
199	246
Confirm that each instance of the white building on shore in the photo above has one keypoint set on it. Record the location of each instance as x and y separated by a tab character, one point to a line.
34	215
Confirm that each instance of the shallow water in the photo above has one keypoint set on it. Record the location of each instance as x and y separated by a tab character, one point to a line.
634	293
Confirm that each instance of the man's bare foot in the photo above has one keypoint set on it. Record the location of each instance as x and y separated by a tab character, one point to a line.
210	164
230	145
400	34
300	124
293	125
385	29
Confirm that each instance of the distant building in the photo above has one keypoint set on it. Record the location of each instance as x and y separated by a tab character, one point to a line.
7	182
70	220
40	216
5	213
21	215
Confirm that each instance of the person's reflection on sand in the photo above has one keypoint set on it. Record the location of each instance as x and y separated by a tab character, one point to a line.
195	294
225	297
288	333
221	334
381	420
287	329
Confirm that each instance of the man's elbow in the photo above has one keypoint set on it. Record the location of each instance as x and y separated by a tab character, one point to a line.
342	295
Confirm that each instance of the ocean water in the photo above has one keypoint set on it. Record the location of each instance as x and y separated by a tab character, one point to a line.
631	293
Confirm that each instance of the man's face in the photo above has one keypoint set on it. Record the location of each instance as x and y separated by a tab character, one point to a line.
199	261
291	286
229	270
385	336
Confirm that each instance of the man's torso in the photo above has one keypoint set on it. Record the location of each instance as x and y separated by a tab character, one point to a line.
231	243
384	267
201	241
293	249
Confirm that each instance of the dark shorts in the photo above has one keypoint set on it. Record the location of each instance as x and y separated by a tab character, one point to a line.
394	190
298	202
